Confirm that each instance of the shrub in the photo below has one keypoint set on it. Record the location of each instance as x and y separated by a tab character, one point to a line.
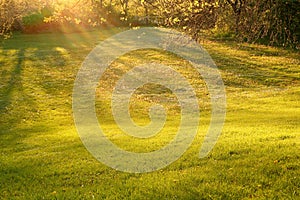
33	23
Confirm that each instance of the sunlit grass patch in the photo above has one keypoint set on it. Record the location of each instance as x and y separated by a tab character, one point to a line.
42	156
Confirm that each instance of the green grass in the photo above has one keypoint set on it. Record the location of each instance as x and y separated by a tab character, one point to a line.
256	157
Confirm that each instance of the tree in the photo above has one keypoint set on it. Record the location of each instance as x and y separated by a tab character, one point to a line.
274	22
9	13
237	7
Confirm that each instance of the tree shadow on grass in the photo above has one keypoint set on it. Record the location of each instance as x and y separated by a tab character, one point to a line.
26	61
37	75
249	66
13	83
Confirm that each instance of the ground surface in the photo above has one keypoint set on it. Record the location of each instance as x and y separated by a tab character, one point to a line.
257	155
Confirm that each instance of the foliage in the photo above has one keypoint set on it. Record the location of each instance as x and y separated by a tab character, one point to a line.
47	11
36	22
189	15
274	21
10	12
33	19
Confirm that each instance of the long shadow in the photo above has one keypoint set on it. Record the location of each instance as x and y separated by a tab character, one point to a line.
40	69
243	72
13	83
27	58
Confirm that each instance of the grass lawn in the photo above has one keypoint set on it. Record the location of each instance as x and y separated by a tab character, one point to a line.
42	157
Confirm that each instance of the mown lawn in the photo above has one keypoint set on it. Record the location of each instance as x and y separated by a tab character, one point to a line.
256	157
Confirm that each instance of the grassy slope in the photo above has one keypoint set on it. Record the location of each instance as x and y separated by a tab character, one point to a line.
257	155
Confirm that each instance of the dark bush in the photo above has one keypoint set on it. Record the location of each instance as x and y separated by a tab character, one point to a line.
33	23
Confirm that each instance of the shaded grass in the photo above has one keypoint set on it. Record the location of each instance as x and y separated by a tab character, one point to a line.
257	155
